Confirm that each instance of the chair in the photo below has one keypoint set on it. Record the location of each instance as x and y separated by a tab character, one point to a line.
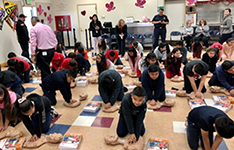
137	37
175	34
129	40
113	41
147	38
214	35
107	38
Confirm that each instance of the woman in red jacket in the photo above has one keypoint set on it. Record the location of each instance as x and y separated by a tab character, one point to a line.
173	63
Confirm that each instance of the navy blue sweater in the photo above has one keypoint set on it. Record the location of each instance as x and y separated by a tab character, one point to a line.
82	63
58	81
222	77
133	115
153	85
118	85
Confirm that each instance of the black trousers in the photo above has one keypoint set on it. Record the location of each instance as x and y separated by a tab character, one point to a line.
188	40
204	39
162	32
24	46
121	46
194	135
51	95
122	129
224	37
44	58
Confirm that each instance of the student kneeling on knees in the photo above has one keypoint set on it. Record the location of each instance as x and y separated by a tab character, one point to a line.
205	120
60	80
110	87
153	83
35	112
195	76
223	76
132	113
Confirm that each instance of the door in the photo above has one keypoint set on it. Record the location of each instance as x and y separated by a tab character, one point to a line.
84	14
175	11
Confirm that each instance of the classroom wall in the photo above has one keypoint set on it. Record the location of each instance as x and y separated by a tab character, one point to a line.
8	38
123	9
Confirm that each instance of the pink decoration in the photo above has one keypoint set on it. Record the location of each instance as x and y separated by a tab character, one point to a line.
45	14
110	6
48	7
49	18
40	10
42	21
140	3
191	2
90	17
83	12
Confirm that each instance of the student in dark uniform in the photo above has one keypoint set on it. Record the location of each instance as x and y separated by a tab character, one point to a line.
153	83
132	114
35	112
22	32
11	81
60	80
211	58
110	87
195	76
205	120
160	21
224	76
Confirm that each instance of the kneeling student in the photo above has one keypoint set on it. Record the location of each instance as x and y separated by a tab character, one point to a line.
132	113
153	83
35	110
60	80
205	120
110	87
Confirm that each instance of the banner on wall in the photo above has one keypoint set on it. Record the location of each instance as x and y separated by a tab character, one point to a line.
8	21
12	14
2	14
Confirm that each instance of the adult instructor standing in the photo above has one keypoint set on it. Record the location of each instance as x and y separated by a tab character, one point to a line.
160	21
23	37
43	43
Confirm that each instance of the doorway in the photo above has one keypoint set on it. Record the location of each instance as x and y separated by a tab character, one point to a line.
175	11
84	13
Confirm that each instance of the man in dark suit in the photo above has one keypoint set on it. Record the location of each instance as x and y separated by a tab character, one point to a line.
22	33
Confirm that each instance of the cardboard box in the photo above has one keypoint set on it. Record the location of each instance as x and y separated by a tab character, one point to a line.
122	74
130	86
225	107
196	103
170	93
81	81
157	144
90	74
12	144
70	142
93	107
222	98
36	81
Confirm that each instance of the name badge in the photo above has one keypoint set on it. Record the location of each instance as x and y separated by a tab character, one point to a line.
44	53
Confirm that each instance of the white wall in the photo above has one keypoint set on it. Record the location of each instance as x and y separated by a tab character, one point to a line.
123	9
8	41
